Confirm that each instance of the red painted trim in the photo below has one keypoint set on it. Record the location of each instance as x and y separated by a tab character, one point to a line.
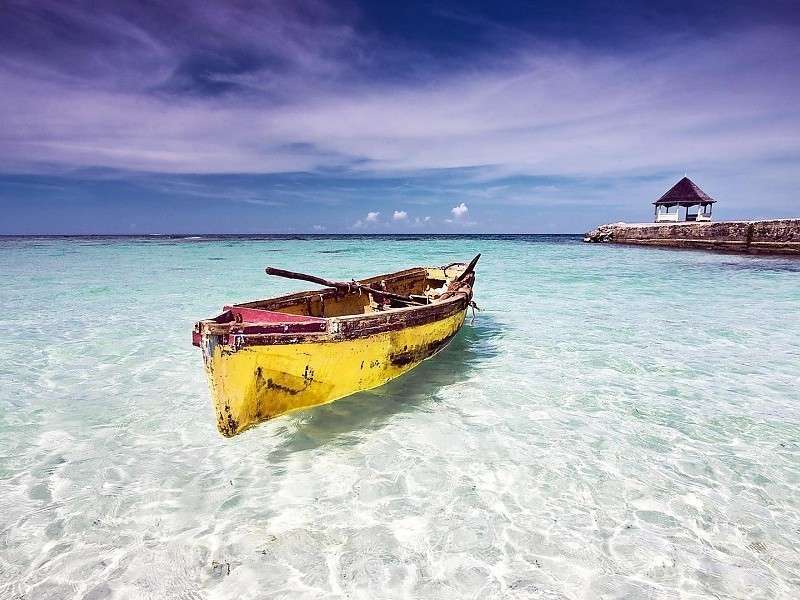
259	315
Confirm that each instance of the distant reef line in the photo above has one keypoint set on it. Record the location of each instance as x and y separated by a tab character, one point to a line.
775	236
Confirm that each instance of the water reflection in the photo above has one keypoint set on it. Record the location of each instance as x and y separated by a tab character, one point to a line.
345	421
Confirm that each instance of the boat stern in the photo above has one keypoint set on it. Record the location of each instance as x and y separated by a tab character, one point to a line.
250	384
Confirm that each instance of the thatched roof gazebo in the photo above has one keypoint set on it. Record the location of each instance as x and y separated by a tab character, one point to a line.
686	194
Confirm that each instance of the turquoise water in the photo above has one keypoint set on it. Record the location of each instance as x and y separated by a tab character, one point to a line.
616	423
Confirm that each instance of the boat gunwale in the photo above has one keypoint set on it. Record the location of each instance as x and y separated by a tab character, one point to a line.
337	328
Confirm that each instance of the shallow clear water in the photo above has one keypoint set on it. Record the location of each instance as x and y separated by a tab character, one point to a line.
617	422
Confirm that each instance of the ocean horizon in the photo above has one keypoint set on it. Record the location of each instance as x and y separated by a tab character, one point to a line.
267	236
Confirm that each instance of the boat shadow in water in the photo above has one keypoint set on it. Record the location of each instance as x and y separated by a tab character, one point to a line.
346	421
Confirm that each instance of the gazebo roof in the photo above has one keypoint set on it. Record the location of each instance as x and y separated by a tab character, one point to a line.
685	193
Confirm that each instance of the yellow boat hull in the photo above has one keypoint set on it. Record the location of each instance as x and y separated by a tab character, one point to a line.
269	357
259	382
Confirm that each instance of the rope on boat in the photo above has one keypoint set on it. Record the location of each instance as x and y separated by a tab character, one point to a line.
475	309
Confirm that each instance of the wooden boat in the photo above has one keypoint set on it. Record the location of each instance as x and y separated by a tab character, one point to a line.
270	357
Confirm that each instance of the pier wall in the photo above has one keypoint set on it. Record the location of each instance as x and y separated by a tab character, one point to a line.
779	236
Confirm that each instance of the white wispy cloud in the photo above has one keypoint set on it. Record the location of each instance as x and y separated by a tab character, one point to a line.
372	219
399	215
460	211
419	221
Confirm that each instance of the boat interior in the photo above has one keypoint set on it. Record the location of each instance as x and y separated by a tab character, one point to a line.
422	284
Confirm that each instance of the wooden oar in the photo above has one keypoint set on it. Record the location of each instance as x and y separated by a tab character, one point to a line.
339	285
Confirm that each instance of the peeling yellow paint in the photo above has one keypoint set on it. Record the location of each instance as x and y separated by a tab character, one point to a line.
256	383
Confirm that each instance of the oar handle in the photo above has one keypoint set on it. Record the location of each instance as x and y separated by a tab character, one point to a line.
303	277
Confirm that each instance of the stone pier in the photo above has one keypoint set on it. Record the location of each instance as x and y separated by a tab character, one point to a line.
778	236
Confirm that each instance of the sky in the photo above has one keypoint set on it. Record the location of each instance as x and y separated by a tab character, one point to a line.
393	117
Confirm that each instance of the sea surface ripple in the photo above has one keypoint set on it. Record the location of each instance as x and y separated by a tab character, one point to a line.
615	423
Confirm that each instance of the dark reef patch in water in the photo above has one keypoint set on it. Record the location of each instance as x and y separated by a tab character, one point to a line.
762	264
